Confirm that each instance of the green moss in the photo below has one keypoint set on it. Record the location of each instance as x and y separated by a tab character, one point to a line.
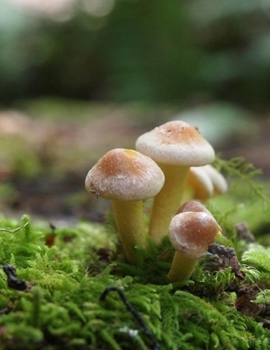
62	307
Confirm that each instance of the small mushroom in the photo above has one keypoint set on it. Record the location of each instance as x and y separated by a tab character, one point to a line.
199	185
194	206
219	182
204	182
190	232
126	177
175	146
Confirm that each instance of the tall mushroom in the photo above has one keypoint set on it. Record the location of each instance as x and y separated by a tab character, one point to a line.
190	232
126	177
175	146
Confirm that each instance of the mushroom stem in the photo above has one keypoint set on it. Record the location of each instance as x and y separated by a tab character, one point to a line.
182	267
130	224
168	200
189	194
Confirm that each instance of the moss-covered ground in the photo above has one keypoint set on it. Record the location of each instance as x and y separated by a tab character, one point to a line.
66	270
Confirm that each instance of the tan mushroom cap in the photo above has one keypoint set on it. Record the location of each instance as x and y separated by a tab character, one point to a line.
192	232
125	174
219	182
200	181
193	206
177	143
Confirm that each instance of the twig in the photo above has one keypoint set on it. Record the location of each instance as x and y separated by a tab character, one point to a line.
12	279
133	311
15	230
227	256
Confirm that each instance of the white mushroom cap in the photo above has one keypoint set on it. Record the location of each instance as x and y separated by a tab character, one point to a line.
176	143
125	175
192	232
220	184
201	183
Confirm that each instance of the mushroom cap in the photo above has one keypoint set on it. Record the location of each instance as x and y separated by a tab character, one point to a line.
176	143
201	182
192	232
125	175
219	182
194	206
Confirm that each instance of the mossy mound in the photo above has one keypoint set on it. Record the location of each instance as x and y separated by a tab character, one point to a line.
61	307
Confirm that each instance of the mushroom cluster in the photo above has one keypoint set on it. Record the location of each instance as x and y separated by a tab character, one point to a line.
161	167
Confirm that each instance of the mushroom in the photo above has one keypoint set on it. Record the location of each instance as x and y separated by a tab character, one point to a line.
175	146
199	184
190	232
194	206
126	177
204	182
219	182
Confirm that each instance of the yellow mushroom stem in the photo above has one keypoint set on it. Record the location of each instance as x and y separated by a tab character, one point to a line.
168	200
182	267
130	224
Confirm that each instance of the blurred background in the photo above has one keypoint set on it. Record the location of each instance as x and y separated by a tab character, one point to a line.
79	77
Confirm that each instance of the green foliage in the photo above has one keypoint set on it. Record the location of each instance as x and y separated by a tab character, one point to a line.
106	52
138	51
263	297
257	256
152	264
240	171
247	200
